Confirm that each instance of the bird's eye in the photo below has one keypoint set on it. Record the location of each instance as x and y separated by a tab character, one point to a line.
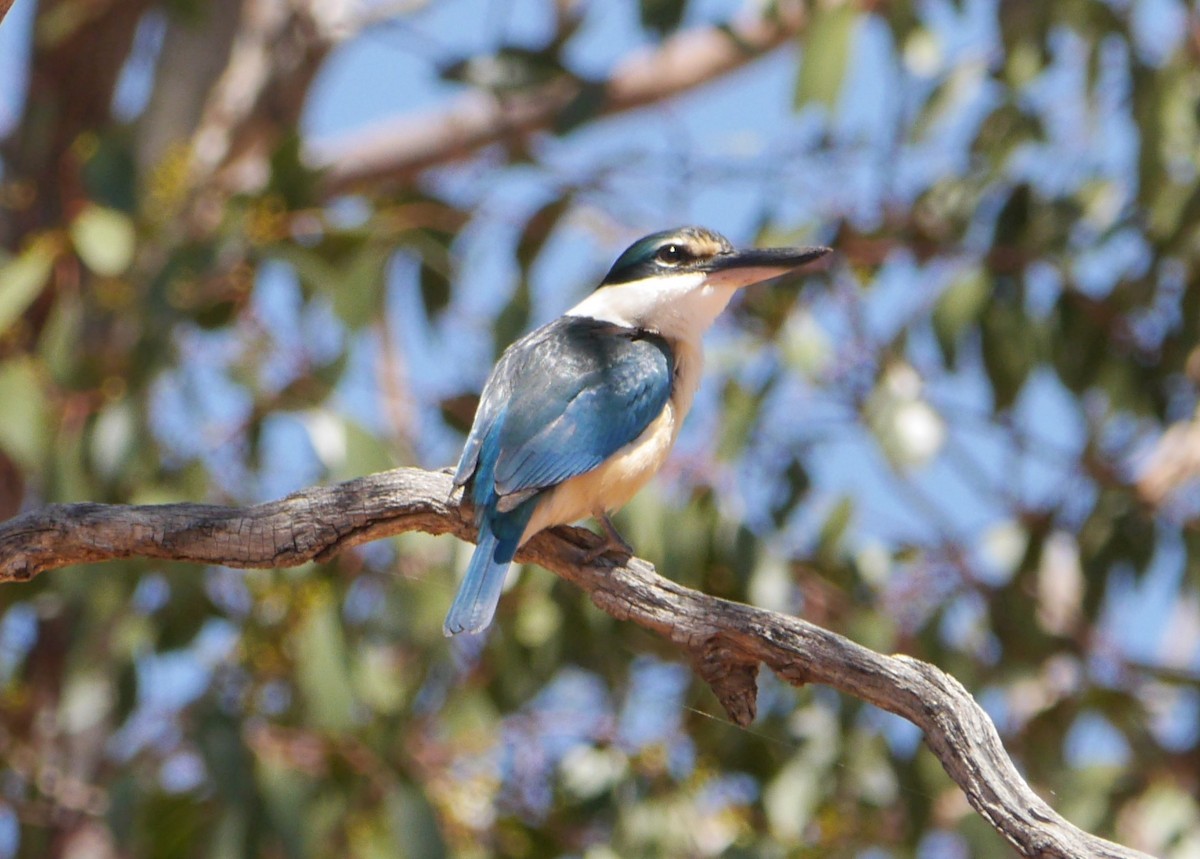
671	254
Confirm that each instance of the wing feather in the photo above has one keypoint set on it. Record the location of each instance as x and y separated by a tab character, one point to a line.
561	401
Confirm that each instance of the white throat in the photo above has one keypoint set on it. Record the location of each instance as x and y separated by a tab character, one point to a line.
680	307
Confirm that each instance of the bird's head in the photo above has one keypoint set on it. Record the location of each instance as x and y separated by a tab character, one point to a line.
678	281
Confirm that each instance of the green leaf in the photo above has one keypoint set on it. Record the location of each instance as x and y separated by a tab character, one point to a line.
347	268
292	180
538	230
365	453
1013	221
805	345
286	795
110	174
740	415
414	824
58	345
791	488
227	838
435	288
513	319
833	530
511	69
226	758
583	107
25	431
958	308
1008	353
113	439
1080	344
322	665
212	315
826	55
22	279
184	614
661	16
122	794
379	679
105	239
170	824
358	293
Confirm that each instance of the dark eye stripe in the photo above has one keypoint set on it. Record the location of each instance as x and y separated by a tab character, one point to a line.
645	257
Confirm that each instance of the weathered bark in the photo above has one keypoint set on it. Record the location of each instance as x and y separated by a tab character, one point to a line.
725	641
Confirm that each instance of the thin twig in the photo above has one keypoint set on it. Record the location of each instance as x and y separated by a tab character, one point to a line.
396	151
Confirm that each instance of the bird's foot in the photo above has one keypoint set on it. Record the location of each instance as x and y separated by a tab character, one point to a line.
614	543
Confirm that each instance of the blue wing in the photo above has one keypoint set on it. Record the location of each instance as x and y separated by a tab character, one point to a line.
560	402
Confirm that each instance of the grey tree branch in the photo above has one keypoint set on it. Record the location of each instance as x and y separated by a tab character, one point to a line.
275	53
725	641
396	151
201	44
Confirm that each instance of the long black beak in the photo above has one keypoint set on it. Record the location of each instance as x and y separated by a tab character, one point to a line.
754	265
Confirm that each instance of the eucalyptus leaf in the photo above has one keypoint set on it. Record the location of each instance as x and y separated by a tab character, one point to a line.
105	239
23	277
826	54
1007	353
323	667
25	432
662	16
958	310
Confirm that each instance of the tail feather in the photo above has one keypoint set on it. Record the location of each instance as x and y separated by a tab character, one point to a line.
475	603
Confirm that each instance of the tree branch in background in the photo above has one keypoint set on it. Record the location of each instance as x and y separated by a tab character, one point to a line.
396	151
1172	463
5	5
257	99
73	70
725	641
202	45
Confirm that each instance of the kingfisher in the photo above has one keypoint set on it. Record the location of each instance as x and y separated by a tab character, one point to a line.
579	414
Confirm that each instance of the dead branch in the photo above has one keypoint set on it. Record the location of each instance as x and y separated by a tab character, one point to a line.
1172	463
201	45
725	641
396	151
275	53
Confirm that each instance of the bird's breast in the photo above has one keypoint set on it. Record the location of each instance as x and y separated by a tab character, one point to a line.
614	482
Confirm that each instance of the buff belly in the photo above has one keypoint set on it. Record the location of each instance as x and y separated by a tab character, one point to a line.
611	485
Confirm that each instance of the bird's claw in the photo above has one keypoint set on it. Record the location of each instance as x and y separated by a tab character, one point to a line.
613	543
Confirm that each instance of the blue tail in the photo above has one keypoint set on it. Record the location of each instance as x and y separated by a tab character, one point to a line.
475	603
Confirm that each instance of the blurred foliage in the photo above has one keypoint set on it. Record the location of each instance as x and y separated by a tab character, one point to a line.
934	450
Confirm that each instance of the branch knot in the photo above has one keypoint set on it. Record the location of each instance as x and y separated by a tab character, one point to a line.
732	677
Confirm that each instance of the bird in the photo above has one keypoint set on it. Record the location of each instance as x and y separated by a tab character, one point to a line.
579	414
